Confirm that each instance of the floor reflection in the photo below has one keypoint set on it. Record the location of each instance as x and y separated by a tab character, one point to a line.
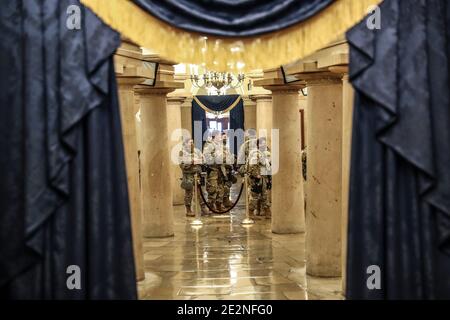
224	260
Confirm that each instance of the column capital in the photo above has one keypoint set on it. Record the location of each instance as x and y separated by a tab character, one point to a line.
148	90
128	65
261	97
179	95
279	86
284	89
160	88
129	81
274	81
187	103
248	101
322	79
342	69
173	98
126	70
330	61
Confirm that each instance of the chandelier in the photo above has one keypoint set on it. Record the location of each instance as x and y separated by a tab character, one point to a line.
219	81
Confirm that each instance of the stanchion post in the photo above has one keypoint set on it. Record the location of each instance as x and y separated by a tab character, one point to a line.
197	221
247	220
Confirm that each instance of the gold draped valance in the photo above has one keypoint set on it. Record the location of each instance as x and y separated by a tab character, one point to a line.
231	54
204	107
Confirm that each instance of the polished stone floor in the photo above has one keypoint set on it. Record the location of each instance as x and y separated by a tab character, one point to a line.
223	260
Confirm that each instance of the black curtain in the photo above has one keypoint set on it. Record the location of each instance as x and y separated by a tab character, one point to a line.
399	217
218	103
63	192
233	18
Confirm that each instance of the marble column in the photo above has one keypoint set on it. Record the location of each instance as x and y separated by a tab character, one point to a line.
323	217
347	124
127	113
155	163
173	124
263	115
249	114
186	115
287	187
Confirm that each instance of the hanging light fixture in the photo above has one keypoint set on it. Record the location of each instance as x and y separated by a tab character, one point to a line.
218	81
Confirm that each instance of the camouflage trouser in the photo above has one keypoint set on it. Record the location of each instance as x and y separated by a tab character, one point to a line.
256	199
226	193
214	187
189	194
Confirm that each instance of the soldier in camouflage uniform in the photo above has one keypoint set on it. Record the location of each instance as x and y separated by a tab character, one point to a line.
214	181
227	170
258	169
249	144
190	160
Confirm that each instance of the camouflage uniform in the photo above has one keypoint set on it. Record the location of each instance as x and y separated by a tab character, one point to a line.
259	182
227	170
190	164
214	179
248	145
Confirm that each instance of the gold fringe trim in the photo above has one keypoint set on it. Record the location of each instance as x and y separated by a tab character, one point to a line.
231	107
231	54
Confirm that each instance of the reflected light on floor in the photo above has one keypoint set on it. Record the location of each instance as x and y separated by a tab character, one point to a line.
224	260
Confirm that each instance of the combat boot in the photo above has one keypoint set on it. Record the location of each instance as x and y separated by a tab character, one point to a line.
189	212
255	213
219	206
211	205
227	203
205	210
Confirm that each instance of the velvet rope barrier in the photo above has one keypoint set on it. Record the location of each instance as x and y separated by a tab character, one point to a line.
221	212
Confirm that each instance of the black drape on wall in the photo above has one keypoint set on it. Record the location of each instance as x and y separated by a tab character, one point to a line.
233	18
63	190
198	118
217	103
399	215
